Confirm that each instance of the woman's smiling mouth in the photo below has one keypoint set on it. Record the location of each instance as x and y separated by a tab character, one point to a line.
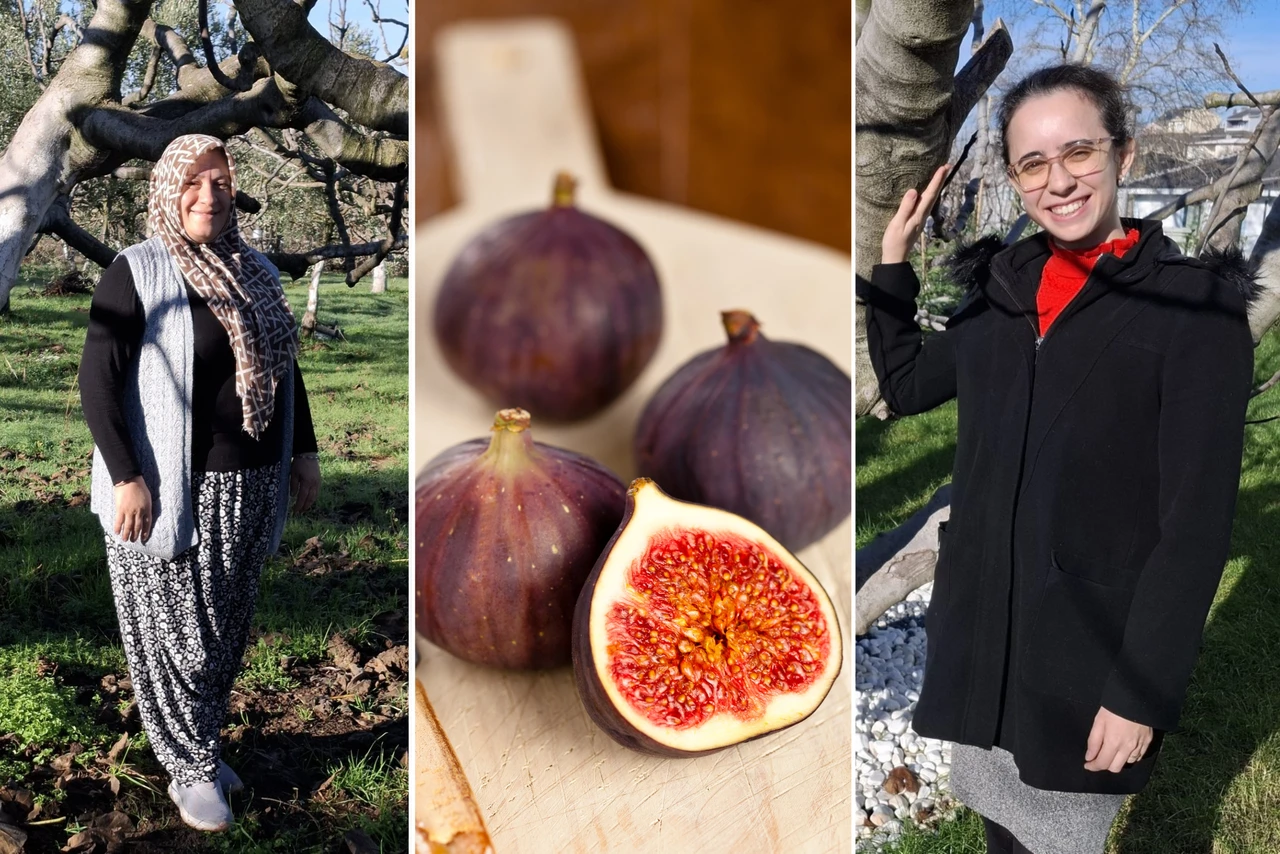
1068	209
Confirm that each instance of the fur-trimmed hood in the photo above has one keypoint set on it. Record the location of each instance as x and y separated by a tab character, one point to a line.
970	264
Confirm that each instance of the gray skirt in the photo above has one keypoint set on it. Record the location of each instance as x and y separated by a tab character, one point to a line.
1045	822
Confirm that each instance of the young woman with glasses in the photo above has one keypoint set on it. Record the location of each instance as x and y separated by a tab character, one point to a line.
1101	378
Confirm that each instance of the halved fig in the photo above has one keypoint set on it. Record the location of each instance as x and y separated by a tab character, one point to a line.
696	630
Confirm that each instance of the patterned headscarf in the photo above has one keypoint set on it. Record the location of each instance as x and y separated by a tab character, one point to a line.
241	291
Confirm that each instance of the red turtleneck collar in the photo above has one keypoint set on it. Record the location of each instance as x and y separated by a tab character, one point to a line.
1066	272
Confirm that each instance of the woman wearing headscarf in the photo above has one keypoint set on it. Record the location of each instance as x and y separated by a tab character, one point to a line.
201	429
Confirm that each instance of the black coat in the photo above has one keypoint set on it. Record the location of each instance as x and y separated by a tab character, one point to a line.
1095	480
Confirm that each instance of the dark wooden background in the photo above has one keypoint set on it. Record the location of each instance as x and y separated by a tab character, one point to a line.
741	108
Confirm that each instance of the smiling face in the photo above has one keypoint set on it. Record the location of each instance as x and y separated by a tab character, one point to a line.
205	205
1078	212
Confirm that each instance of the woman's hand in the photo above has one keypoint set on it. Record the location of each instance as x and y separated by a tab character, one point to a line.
1115	742
133	510
904	229
304	483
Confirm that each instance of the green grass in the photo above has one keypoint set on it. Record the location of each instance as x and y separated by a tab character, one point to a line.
1216	787
343	567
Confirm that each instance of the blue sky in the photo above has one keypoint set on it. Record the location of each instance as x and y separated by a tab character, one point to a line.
1254	46
358	13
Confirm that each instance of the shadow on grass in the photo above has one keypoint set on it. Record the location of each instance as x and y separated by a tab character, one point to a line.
286	779
1232	714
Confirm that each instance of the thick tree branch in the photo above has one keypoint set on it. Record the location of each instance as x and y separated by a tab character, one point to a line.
174	47
296	264
210	60
57	220
371	93
1242	185
378	158
1088	32
1239	99
982	69
119	129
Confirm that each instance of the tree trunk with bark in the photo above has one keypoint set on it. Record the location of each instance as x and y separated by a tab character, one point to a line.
910	105
313	301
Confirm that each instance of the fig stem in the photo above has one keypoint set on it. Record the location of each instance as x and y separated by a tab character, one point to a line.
742	326
563	191
511	443
514	420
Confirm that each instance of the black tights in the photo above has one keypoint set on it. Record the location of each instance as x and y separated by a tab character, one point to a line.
1001	841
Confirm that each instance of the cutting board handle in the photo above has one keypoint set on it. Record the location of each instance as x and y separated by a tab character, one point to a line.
515	111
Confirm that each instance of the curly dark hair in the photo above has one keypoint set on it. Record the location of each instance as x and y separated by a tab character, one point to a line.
1099	87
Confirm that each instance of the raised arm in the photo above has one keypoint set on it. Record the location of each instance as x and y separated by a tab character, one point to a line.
915	373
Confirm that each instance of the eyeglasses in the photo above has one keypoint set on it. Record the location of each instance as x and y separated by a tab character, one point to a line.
1083	157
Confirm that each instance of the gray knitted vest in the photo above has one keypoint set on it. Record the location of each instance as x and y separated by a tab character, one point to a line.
160	428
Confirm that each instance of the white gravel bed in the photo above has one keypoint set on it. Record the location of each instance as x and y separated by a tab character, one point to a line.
889	668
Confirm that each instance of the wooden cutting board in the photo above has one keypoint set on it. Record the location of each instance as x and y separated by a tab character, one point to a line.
544	776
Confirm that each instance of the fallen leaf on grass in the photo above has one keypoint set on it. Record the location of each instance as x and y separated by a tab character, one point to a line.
117	749
84	842
13	840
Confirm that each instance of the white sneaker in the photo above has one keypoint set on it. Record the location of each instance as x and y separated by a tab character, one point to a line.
228	779
202	806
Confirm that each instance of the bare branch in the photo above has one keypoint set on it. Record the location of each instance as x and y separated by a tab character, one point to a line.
210	60
27	24
335	213
1275	378
1088	32
131	173
395	54
384	249
68	22
1236	99
297	264
148	79
1194	197
1232	75
1244	184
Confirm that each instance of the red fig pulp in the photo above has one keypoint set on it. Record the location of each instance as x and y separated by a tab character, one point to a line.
507	531
557	310
697	630
759	428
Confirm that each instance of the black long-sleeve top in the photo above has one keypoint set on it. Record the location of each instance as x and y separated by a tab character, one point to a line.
218	443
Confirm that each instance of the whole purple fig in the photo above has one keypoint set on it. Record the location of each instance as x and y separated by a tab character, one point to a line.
556	310
507	531
756	427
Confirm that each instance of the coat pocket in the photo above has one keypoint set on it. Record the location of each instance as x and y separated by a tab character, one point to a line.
1077	632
